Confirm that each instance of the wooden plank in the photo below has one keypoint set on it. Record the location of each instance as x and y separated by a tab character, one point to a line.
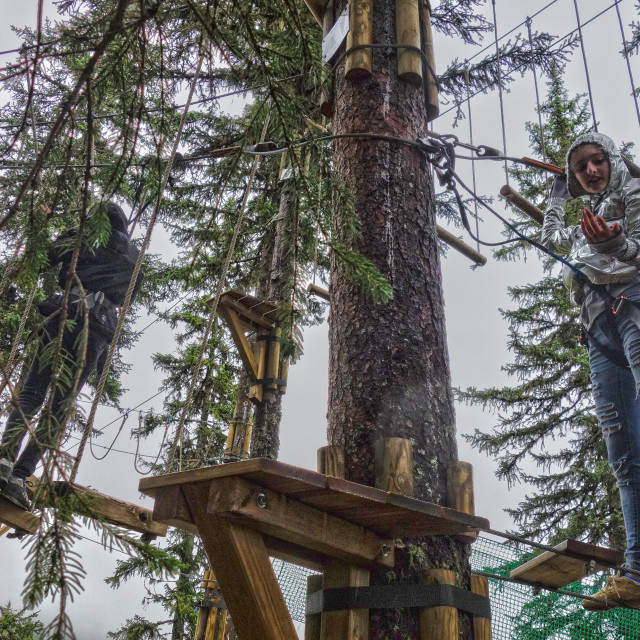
18	518
272	513
347	624
240	340
295	554
278	476
244	572
112	510
553	570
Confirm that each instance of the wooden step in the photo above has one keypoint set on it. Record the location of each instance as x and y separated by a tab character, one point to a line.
17	518
553	570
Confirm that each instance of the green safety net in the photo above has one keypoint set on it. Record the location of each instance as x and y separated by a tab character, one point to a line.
518	613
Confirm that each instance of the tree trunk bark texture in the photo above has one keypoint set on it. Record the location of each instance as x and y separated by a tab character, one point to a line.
265	440
388	363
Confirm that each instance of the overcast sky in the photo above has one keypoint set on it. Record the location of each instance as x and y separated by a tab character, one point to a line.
476	332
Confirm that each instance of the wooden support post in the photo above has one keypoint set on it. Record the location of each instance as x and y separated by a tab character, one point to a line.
260	354
461	497
312	623
238	440
243	569
514	198
433	106
347	624
481	626
439	623
212	613
284	375
393	465
408	33
273	361
358	63
331	461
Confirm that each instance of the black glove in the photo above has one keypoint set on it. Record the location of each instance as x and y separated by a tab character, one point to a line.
559	188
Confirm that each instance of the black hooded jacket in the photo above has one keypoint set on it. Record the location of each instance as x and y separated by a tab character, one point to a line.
108	269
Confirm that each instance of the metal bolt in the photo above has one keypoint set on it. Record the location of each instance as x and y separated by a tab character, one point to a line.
261	500
385	551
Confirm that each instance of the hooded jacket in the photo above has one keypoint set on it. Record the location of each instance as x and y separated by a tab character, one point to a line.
615	262
106	268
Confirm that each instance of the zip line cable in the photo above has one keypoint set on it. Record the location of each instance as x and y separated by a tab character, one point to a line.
504	133
586	66
626	57
549	50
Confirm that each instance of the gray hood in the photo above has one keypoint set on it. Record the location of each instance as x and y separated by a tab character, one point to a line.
619	172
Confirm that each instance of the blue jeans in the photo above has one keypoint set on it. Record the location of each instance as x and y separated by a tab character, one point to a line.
34	392
615	392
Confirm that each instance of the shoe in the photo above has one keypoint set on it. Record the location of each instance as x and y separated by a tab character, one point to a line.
16	492
618	591
6	467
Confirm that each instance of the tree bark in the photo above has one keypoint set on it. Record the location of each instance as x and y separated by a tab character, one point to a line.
265	440
388	364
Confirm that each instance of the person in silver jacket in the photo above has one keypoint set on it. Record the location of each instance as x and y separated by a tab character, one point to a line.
604	278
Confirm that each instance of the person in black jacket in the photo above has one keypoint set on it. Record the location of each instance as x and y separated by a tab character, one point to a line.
105	273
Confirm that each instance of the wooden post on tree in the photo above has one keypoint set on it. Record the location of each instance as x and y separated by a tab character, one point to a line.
212	614
461	496
358	63
389	371
408	32
439	623
481	626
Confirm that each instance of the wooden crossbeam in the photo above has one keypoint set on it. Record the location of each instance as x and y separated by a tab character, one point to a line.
240	340
112	510
253	312
554	570
273	513
18	518
242	567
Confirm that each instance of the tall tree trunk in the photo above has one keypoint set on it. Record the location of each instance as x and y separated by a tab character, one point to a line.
265	440
388	363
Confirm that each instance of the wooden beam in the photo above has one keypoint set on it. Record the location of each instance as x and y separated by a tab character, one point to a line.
273	359
439	623
315	290
112	510
460	494
481	626
312	623
408	33
330	460
393	465
273	513
260	355
171	508
514	198
460	246
244	572
358	63
433	106
240	340
317	9
18	518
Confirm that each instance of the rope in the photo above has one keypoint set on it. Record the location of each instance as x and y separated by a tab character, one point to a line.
473	162
134	277
214	305
626	57
137	453
124	420
17	341
586	66
504	133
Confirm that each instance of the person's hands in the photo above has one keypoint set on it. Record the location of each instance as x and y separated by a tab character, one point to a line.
559	188
595	229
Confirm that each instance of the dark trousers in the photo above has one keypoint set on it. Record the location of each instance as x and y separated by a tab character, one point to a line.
34	392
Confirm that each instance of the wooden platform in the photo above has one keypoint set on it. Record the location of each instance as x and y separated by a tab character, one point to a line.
252	312
17	518
553	570
246	511
386	514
